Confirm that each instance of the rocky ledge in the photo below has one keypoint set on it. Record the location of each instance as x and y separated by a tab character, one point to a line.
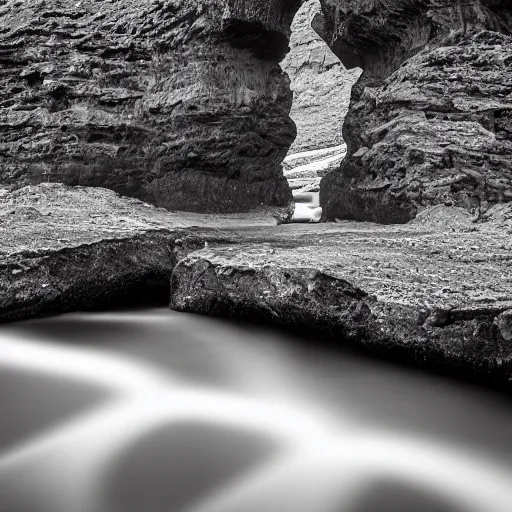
74	248
436	292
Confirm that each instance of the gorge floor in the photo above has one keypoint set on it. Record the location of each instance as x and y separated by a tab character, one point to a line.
436	291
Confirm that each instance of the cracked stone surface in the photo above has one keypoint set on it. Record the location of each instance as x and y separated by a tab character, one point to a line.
437	291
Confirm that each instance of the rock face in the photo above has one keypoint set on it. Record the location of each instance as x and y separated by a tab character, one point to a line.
430	117
179	103
320	83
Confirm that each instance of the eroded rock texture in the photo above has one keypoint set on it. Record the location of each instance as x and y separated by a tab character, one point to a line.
436	291
180	103
74	248
430	118
320	83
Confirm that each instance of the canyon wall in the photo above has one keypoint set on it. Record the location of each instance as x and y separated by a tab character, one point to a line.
430	120
179	103
320	83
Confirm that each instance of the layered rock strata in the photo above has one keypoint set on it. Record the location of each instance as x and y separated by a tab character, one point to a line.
182	104
430	117
305	170
320	83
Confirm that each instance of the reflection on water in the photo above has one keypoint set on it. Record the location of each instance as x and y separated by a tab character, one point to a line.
159	411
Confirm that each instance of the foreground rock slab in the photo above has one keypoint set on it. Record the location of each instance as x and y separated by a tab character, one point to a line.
437	292
66	249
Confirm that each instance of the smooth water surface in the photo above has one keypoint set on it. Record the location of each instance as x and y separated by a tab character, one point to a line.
153	411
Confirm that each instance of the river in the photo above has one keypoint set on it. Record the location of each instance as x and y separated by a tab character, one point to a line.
156	411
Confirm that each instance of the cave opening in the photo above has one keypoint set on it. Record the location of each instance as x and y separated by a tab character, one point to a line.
321	87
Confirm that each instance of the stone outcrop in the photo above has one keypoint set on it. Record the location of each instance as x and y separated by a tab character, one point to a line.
436	292
320	83
430	117
74	248
182	104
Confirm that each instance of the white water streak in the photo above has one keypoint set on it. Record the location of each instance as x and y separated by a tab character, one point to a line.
322	462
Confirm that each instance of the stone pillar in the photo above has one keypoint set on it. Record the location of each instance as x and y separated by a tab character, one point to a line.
179	103
429	120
